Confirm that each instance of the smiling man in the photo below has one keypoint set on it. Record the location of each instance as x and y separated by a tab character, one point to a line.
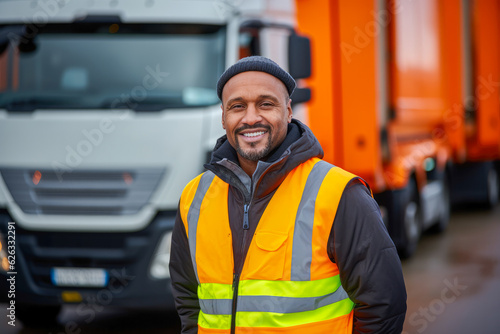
271	239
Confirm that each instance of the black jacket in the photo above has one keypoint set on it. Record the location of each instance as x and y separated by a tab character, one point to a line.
370	269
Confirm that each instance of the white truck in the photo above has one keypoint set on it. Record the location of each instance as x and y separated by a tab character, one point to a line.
107	109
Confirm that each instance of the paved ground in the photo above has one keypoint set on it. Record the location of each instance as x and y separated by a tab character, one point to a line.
453	286
453	283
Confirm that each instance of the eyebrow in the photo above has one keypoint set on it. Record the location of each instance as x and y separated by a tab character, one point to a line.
261	97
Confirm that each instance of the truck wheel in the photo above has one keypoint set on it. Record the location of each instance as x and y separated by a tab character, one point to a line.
444	217
411	220
475	182
37	315
492	198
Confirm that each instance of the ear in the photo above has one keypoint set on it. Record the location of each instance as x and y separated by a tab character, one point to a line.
223	125
289	110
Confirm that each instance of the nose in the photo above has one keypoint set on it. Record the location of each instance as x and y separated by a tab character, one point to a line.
252	115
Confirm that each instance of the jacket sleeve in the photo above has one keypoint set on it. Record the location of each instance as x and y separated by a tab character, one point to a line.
369	266
184	284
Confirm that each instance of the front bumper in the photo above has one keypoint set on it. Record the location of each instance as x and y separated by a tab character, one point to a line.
125	256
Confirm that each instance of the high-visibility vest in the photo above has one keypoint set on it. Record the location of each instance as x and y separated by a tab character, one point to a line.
288	283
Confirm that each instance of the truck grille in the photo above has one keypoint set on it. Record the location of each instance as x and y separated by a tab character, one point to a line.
90	192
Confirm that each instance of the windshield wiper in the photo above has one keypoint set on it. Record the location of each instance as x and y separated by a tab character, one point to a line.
140	106
149	104
25	105
33	103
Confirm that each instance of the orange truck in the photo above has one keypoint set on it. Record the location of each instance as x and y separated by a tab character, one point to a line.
405	94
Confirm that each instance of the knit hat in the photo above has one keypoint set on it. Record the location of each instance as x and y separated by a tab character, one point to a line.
256	63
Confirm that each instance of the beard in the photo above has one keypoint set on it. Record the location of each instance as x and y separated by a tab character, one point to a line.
252	154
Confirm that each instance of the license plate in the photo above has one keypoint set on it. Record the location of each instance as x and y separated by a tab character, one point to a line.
79	277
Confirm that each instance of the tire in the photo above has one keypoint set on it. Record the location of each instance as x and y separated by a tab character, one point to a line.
475	183
444	217
410	219
492	188
36	316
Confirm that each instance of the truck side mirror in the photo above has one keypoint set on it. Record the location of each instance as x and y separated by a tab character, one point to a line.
300	95
299	56
299	64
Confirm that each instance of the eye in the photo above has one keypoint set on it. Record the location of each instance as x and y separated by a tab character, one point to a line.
237	106
267	104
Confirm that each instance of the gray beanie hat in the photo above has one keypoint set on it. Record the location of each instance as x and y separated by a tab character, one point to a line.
256	63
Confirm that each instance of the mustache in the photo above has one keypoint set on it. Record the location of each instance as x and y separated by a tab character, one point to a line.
255	126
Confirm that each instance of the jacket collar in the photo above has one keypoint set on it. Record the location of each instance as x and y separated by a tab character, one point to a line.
299	146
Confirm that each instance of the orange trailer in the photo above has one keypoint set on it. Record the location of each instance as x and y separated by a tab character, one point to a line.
388	95
475	177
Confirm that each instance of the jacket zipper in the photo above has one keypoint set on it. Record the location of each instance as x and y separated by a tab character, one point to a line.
236	280
236	275
245	216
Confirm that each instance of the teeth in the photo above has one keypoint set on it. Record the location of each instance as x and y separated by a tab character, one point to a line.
253	134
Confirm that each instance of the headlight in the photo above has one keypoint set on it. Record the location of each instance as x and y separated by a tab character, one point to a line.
4	261
161	258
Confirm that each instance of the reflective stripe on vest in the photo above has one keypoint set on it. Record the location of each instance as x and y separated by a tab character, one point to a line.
287	279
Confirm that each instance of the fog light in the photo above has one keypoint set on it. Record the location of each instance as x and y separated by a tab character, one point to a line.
161	258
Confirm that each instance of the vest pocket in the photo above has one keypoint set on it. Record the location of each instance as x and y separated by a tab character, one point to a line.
266	259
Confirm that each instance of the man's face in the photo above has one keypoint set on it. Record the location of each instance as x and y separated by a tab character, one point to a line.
255	114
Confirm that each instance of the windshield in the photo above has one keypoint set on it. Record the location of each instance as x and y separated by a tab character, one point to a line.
135	66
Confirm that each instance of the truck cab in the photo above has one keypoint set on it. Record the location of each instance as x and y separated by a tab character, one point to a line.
107	110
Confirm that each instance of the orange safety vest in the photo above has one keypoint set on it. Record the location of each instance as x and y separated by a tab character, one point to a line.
288	283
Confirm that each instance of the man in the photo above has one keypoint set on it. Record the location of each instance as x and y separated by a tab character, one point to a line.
271	239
